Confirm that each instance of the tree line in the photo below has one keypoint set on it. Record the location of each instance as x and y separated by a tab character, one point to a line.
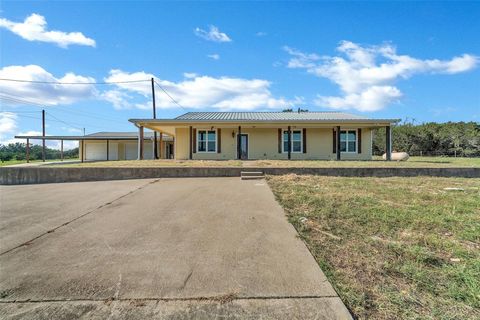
460	139
17	151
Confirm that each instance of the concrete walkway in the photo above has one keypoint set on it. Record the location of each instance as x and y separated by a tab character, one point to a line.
193	248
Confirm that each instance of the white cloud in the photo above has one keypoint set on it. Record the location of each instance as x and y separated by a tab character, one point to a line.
119	99
371	99
261	34
44	93
214	56
71	130
213	34
189	75
34	28
366	74
300	59
8	125
199	92
8	122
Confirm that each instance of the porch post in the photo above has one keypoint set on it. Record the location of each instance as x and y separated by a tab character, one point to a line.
83	147
161	146
338	144
289	143
190	155
61	149
239	143
140	143
28	151
388	143
108	144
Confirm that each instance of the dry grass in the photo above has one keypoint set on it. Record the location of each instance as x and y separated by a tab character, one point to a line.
417	162
396	248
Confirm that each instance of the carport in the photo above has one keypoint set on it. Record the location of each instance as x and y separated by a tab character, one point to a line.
107	145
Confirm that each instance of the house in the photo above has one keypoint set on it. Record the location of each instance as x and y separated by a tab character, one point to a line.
268	135
114	145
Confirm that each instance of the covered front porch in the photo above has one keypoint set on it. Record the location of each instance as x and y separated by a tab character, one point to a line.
263	141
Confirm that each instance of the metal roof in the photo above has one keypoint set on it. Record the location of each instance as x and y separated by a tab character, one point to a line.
267	116
304	117
123	135
98	136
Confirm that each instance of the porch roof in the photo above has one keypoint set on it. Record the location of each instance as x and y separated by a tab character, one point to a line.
263	118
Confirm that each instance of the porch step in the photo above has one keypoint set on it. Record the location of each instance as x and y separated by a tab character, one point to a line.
251	175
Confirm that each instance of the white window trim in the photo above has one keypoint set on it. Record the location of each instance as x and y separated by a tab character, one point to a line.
206	141
291	143
346	145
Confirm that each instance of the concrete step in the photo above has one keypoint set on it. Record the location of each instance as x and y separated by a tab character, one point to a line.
251	173
252	177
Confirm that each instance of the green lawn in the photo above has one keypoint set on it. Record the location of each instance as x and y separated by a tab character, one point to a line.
377	162
393	248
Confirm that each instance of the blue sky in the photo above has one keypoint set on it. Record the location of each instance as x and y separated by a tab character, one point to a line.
401	60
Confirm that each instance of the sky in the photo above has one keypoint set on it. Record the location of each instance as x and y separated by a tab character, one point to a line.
409	60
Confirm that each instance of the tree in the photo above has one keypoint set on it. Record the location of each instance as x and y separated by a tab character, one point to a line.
450	138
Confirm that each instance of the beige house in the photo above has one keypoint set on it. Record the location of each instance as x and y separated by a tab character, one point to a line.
268	135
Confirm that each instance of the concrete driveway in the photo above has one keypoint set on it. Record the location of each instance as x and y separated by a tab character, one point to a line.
197	248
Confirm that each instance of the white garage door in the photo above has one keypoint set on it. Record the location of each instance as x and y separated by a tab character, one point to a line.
131	150
113	151
98	151
148	150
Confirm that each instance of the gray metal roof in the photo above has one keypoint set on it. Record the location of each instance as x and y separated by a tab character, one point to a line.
268	116
148	135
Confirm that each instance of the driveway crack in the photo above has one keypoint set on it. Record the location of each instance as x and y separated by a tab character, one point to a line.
29	242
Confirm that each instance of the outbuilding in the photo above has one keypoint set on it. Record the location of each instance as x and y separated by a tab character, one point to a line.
102	146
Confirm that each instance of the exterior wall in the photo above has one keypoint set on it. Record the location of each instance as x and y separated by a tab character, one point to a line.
263	144
181	143
228	148
118	149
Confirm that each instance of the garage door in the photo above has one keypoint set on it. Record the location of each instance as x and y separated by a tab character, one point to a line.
148	150
131	150
98	151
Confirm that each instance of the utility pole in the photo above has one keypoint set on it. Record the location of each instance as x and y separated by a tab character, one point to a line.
43	135
155	143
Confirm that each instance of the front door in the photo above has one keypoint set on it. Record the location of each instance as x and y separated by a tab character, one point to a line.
244	146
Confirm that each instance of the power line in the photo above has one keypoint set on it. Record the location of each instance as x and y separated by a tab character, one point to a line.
20	100
24	116
165	91
64	122
19	111
84	114
68	83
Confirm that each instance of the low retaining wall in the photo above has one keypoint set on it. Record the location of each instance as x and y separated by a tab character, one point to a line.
34	175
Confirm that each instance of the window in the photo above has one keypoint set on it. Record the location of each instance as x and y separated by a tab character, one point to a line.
207	141
348	141
296	141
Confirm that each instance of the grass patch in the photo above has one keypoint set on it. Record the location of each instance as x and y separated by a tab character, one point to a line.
393	248
13	162
415	162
